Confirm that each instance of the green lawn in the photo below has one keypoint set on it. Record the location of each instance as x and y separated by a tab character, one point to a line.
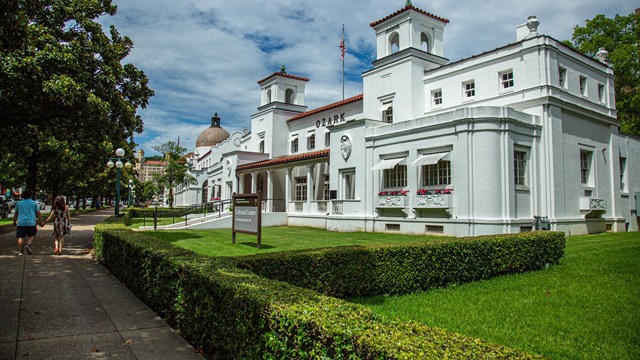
274	239
587	307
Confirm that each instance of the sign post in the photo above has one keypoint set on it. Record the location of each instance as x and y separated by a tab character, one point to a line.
247	216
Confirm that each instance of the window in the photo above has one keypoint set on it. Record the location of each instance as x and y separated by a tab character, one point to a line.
261	146
288	96
438	174
436	95
600	92
327	139
387	112
623	174
294	145
520	168
348	184
394	43
585	166
301	188
424	42
583	86
469	89
268	96
395	177
311	142
506	79
562	77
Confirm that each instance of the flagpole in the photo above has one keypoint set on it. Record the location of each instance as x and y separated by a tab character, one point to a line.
343	62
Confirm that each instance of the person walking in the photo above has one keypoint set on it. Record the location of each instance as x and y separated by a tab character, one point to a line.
61	223
25	217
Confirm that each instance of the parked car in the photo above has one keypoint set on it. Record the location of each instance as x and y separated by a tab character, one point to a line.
4	208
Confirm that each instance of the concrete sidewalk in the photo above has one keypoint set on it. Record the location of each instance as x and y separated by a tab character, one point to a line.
71	307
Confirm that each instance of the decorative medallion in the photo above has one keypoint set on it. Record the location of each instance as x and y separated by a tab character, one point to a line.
345	146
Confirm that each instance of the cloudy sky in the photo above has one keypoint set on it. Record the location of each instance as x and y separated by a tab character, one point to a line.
206	56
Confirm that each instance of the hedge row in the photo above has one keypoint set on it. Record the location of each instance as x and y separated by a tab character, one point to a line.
230	312
398	269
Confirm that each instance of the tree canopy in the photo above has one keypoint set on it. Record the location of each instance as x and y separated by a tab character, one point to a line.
620	36
176	171
67	98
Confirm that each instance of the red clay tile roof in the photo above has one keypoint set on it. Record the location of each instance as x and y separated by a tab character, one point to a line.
407	8
283	75
285	159
328	107
155	162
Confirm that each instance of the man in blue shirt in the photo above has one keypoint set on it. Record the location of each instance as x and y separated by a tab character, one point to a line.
25	217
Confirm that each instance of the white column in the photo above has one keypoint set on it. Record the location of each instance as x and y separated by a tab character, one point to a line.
241	184
309	186
254	183
269	191
287	190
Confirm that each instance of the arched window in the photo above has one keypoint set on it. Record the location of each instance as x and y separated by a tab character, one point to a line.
288	96
261	146
394	43
268	96
424	42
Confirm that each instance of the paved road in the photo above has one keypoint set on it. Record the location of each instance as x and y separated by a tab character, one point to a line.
70	307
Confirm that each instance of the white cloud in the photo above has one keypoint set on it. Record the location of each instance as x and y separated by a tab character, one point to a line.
206	56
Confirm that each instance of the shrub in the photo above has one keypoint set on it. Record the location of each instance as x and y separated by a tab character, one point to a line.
231	312
397	269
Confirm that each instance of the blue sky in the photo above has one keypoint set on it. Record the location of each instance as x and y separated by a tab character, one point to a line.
206	56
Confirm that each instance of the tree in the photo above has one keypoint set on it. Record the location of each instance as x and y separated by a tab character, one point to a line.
67	99
176	171
620	36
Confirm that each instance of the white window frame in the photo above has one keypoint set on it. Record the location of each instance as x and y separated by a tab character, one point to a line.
348	184
508	82
311	140
623	174
327	139
586	167
300	188
294	145
394	178
562	77
469	89
387	113
583	85
436	175
600	92
520	168
436	97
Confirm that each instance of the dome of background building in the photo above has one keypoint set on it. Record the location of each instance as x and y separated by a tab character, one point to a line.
212	135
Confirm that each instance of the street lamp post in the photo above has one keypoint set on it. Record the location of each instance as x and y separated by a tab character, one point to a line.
131	192
118	164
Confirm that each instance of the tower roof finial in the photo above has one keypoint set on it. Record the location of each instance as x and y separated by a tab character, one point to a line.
283	69
408	3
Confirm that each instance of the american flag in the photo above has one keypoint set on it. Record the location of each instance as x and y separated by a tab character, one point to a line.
343	48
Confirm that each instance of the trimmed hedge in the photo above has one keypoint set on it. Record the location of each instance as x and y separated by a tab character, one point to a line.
398	269
230	312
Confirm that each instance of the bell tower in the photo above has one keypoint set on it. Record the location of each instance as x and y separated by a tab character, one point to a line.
409	27
408	43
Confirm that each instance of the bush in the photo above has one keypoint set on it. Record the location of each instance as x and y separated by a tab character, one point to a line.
231	312
398	269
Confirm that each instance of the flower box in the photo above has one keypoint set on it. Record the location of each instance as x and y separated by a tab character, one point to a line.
391	201
437	201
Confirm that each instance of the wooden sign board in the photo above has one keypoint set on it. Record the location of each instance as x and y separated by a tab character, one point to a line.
247	216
